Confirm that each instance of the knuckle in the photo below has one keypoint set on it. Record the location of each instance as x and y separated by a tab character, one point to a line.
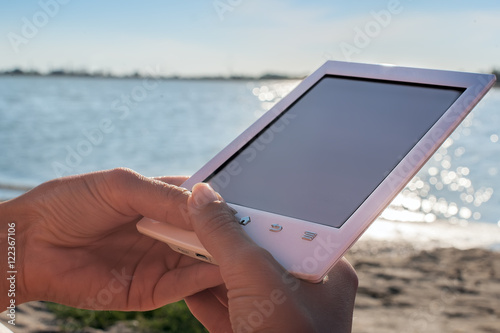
118	181
175	193
122	174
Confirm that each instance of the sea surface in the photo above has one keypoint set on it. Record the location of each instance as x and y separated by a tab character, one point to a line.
58	126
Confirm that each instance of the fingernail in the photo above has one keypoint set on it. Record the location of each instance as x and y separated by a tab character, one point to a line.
203	194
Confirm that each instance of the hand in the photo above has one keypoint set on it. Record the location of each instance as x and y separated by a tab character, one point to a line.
77	243
259	295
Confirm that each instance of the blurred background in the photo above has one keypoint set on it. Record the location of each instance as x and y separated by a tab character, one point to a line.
161	87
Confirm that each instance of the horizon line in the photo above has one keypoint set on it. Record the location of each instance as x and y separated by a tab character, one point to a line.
136	74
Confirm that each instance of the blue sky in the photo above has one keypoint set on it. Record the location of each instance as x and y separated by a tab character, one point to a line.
223	37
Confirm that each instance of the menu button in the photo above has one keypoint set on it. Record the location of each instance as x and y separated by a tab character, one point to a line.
309	235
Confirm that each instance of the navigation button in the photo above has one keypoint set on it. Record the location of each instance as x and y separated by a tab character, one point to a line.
245	220
309	235
275	228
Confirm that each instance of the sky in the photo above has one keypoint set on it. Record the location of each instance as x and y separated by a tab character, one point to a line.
247	37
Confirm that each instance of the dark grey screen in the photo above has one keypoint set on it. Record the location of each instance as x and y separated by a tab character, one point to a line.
324	156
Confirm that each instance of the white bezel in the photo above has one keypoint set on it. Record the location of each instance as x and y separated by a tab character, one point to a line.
311	260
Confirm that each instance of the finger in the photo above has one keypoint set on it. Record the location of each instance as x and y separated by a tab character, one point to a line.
343	275
185	281
209	311
221	293
243	264
174	180
132	194
340	286
216	226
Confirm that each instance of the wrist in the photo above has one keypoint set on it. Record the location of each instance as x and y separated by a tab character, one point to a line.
12	240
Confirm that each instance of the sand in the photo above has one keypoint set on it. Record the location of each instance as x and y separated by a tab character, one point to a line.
439	290
417	281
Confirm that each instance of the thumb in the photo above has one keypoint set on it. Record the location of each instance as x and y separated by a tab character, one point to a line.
216	226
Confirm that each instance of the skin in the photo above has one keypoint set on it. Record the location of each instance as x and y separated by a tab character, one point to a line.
258	294
77	244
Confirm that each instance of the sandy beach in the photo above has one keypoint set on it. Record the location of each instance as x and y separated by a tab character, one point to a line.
439	290
426	283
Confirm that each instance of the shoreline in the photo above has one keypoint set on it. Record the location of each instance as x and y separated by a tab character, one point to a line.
438	234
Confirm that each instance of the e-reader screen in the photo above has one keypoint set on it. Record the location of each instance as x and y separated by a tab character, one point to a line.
323	156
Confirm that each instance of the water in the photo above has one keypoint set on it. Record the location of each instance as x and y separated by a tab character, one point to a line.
52	127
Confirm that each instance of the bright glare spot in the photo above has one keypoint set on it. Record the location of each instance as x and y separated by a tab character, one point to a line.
465	213
459	151
266	105
452	208
441	206
446	164
433	171
402	215
269	96
462	181
494	138
469	198
411	203
492	171
476	216
427	206
429	218
448	143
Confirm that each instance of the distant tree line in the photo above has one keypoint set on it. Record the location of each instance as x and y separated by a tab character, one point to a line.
98	74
